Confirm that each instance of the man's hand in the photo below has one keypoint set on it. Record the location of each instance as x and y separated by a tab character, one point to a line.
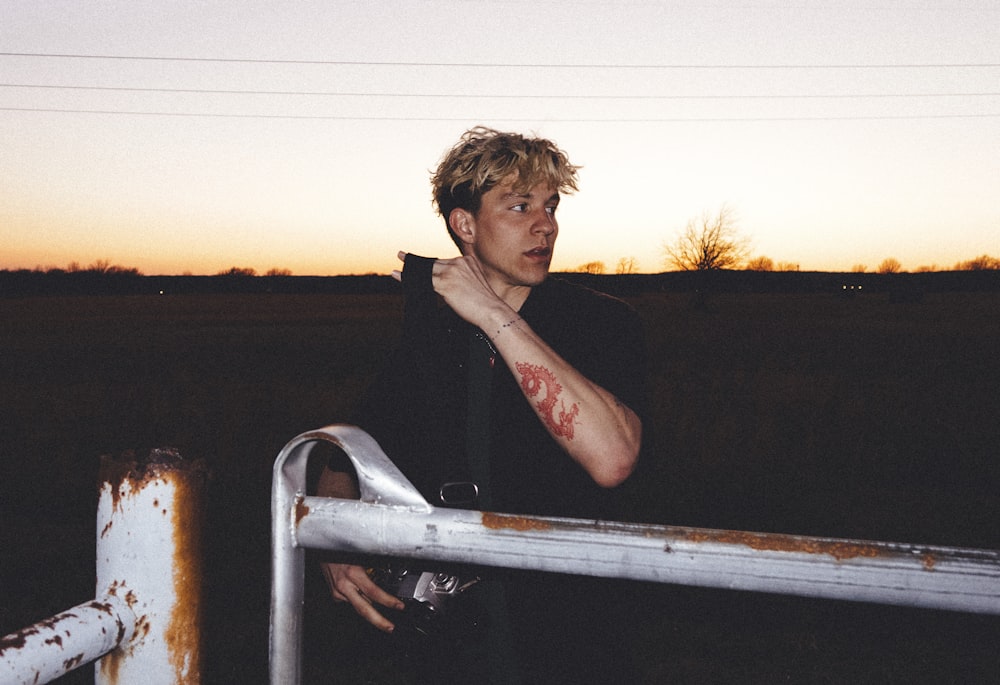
462	283
351	584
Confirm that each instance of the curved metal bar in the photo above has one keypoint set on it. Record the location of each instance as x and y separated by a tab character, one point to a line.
380	482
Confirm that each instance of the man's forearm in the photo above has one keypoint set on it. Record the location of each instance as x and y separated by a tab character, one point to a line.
597	430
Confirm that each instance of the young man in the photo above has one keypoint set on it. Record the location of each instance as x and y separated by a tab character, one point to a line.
530	388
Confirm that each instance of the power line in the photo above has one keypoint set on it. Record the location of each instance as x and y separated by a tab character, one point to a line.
506	96
500	65
638	120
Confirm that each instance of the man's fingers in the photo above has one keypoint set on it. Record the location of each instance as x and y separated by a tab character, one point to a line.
374	594
351	584
364	607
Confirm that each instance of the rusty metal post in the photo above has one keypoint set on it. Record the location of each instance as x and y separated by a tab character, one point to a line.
149	520
145	621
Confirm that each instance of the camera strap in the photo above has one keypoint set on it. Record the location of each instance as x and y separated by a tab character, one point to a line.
482	356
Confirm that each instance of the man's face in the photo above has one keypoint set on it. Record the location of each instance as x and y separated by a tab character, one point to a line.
513	235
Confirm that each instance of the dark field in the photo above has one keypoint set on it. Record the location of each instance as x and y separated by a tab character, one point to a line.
810	414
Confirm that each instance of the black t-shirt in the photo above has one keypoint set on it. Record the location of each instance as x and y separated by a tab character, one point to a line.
565	628
416	408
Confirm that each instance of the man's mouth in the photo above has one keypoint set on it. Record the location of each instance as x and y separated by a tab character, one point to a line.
543	251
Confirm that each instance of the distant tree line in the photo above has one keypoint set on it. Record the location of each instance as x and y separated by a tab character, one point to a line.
247	271
709	250
101	266
713	242
105	267
26	283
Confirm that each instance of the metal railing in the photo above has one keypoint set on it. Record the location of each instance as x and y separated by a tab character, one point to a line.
393	519
144	625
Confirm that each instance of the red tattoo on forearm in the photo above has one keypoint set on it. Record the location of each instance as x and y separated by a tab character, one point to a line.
533	378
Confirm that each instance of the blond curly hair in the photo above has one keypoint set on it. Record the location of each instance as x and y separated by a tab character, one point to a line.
484	157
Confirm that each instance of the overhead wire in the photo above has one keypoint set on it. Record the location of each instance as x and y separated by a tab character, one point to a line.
503	65
504	96
501	96
637	120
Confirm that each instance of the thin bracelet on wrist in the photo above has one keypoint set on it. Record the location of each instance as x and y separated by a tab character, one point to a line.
506	325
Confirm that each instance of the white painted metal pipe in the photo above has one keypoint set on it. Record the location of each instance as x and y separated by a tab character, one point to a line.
149	554
146	622
51	648
882	572
392	519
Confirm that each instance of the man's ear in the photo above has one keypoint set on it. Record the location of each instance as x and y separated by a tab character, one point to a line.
463	224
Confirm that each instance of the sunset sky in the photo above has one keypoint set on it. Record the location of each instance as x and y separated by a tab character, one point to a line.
190	137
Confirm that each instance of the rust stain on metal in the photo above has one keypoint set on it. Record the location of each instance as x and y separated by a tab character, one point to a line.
139	469
838	549
101	606
301	510
109	610
111	665
183	633
505	521
129	598
17	640
70	664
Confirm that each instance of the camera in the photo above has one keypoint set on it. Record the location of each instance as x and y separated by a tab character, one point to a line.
435	600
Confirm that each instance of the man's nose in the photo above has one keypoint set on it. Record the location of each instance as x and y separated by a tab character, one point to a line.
545	222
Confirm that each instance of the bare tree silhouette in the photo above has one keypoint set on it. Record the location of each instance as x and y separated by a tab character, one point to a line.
626	265
591	268
890	265
709	243
760	264
238	271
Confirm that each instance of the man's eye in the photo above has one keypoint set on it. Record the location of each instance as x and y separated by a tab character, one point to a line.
522	207
552	209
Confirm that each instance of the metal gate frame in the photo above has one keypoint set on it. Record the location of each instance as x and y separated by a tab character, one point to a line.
392	519
144	624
